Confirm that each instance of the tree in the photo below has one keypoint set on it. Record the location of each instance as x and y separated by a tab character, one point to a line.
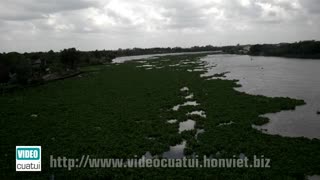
23	71
70	58
4	70
97	54
17	65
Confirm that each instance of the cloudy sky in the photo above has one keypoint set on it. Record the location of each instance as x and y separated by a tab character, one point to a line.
41	25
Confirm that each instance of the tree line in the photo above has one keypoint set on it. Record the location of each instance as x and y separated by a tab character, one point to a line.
302	49
26	68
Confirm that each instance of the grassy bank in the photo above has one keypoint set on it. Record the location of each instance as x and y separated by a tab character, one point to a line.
119	111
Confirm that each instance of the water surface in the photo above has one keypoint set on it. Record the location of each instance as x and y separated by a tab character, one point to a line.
277	77
175	152
152	56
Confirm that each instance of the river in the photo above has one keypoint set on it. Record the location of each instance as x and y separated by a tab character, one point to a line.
273	77
277	77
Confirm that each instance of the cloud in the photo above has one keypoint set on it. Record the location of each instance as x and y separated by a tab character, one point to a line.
35	9
103	24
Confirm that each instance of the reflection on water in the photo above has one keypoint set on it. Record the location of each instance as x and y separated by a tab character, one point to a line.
184	89
189	96
198	113
314	177
277	77
188	103
226	124
175	152
199	131
186	125
172	121
242	156
146	65
148	155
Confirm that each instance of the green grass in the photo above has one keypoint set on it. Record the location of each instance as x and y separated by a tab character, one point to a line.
112	111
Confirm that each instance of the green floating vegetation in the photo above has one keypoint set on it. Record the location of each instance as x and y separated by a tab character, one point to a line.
220	74
119	111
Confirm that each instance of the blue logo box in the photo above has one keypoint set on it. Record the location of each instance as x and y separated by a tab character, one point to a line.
28	154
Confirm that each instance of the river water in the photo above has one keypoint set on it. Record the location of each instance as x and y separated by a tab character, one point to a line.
273	77
129	58
277	77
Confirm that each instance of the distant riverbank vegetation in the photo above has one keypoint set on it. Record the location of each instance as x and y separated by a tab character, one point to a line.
20	69
38	67
302	49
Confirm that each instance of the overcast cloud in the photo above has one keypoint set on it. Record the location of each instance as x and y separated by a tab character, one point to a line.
41	25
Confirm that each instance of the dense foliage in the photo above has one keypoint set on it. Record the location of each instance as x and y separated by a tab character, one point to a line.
70	57
303	49
28	68
17	65
113	110
32	66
